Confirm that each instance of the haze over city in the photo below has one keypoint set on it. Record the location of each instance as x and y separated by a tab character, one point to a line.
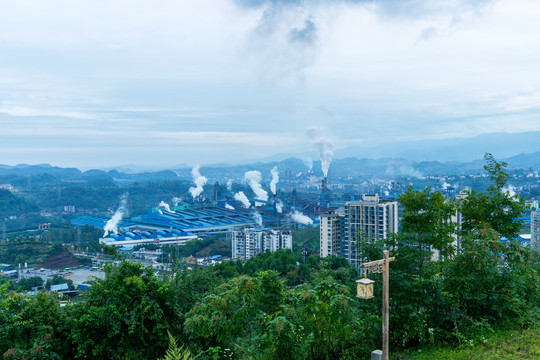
112	82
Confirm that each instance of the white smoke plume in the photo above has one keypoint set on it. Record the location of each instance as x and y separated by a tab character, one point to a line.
300	218
229	184
510	189
227	206
275	179
279	206
324	146
112	223
199	181
258	218
309	163
410	172
240	196
254	179
164	205
176	200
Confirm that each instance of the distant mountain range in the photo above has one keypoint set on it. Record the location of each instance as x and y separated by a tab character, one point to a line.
501	145
340	168
407	158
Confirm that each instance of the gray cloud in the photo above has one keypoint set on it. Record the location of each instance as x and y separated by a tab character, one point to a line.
391	8
306	35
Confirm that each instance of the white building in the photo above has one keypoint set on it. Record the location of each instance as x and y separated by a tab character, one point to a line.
250	242
535	230
369	219
331	233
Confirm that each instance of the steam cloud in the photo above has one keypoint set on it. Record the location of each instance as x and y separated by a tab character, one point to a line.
254	179
240	196
227	206
300	218
229	184
258	218
199	181
510	189
275	179
163	204
279	206
112	223
410	172
176	200
324	146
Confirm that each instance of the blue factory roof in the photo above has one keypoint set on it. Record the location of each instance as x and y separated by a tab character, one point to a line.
176	223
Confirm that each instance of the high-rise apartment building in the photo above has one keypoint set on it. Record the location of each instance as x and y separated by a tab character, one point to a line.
331	232
248	243
369	219
535	230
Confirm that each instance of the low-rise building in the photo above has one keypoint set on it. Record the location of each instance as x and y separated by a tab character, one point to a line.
248	243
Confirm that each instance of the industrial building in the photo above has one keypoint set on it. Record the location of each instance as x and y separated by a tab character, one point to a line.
177	226
248	243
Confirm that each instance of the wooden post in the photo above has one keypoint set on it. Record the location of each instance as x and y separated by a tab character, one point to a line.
385	301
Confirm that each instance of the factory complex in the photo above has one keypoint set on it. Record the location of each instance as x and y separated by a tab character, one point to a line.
174	226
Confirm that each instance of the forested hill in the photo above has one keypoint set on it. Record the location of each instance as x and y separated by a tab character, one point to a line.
11	204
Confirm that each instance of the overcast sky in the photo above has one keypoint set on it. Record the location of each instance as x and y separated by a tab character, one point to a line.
110	82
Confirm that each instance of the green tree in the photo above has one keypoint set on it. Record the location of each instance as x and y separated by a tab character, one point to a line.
427	220
126	315
33	328
498	209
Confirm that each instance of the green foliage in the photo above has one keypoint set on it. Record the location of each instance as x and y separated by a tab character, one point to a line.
503	345
174	352
126	315
13	205
26	284
306	237
426	219
32	328
495	209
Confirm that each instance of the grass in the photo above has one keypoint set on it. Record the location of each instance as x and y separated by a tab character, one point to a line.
506	345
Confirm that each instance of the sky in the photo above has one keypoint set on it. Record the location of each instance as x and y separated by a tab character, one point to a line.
158	83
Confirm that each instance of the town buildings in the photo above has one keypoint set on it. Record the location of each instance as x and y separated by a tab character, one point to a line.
249	242
535	230
366	220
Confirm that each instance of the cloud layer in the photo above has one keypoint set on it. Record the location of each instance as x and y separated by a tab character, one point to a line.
99	84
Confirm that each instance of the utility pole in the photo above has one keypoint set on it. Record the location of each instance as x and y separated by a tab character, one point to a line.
379	266
385	302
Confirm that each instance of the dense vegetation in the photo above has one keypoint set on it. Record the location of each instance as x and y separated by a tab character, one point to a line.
284	305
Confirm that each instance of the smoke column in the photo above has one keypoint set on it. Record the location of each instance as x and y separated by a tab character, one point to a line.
229	184
176	200
240	196
254	179
325	148
199	181
300	218
112	223
163	204
275	179
279	206
258	218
